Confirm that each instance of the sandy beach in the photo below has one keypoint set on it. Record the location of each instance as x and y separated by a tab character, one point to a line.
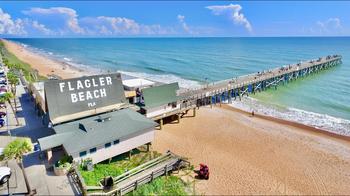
246	155
45	66
254	155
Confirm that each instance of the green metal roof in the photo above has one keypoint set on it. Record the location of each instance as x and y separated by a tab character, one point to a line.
160	95
97	130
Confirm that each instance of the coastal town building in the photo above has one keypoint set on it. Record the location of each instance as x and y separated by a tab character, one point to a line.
36	90
160	100
91	118
132	87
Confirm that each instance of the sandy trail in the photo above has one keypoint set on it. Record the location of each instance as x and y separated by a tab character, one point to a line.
45	66
250	155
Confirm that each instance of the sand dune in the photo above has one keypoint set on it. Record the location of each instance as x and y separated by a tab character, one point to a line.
251	155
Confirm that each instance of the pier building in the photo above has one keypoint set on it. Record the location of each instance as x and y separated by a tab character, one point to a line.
91	118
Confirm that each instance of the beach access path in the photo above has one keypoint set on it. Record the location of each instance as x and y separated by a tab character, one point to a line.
250	155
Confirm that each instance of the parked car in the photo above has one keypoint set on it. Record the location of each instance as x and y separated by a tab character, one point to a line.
3	86
2	114
5	174
2	92
2	80
2	105
2	122
2	71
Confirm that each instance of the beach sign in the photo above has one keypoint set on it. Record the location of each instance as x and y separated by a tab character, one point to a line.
79	97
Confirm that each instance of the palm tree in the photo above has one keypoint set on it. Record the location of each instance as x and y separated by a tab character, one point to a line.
15	150
7	98
13	80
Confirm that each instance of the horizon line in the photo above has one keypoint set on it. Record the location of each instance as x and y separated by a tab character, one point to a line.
153	37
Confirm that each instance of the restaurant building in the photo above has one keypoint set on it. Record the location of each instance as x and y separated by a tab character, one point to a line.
160	100
92	119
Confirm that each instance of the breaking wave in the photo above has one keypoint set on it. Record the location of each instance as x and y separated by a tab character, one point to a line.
322	121
165	78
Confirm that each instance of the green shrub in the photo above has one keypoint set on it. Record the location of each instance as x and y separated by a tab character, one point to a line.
18	147
64	162
165	185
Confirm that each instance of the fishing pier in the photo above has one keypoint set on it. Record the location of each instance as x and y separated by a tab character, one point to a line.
235	88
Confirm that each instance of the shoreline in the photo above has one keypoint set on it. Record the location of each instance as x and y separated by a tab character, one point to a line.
44	65
252	155
305	127
47	66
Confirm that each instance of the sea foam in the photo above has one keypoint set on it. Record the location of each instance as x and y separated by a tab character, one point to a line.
322	121
165	78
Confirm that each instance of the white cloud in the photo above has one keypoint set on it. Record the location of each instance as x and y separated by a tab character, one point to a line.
110	25
183	24
63	21
234	12
104	25
328	27
69	16
8	26
331	25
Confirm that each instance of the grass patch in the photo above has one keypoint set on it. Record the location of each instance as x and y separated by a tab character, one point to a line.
165	185
11	61
117	166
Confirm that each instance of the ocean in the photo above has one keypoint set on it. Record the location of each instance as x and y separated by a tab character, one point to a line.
321	100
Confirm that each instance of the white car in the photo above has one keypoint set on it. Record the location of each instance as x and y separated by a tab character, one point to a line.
5	174
2	71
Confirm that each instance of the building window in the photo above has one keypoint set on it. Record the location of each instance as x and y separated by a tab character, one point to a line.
81	154
116	142
92	150
107	145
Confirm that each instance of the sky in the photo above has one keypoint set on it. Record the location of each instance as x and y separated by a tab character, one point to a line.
174	18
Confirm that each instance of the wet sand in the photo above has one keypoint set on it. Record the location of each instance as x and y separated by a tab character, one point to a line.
246	155
258	155
45	66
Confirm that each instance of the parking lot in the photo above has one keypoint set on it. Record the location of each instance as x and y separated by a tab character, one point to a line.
40	176
16	183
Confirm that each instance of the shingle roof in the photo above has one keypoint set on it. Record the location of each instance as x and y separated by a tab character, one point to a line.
62	108
94	131
160	95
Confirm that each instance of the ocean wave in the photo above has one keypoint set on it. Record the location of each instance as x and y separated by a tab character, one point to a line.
322	121
165	78
67	59
93	70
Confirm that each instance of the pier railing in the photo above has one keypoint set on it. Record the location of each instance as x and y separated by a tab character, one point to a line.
238	86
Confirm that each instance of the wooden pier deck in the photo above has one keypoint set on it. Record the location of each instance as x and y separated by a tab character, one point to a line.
239	86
